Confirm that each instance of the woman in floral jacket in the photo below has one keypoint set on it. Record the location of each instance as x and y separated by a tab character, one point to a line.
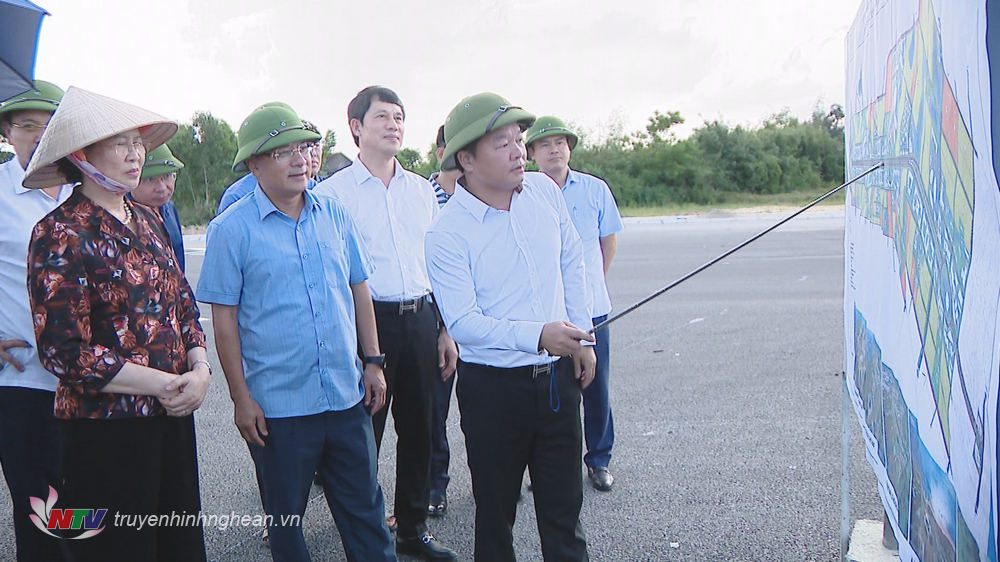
116	321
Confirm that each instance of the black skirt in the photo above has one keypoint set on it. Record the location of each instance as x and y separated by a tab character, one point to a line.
144	472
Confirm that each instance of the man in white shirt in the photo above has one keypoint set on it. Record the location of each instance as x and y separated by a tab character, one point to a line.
393	209
507	267
595	215
27	427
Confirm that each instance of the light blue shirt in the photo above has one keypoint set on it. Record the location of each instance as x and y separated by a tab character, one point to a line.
499	276
236	191
595	215
22	208
291	281
240	189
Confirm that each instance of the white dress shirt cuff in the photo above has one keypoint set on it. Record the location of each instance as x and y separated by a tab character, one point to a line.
528	334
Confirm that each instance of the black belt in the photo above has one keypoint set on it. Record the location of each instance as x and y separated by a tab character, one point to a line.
534	371
400	307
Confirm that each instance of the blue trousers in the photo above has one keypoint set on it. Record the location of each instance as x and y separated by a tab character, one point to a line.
598	424
340	446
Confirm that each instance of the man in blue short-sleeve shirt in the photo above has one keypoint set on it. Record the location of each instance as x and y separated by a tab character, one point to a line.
285	271
595	216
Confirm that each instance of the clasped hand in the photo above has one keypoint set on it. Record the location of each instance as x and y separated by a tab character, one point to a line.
185	393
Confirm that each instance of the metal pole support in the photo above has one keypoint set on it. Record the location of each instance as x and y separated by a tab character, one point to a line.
845	477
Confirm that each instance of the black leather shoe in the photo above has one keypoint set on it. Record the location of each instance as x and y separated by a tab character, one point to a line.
438	504
601	478
426	547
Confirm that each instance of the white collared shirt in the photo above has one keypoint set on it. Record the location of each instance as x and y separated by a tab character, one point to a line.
392	222
22	208
500	276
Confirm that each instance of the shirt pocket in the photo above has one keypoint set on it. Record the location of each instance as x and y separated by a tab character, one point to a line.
585	220
333	256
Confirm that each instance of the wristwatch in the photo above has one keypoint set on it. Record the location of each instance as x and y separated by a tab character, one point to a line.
374	360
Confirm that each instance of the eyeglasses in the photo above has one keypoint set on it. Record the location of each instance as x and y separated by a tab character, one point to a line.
123	147
500	111
285	154
30	127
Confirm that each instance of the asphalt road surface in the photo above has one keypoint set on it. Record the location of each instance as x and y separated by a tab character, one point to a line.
726	394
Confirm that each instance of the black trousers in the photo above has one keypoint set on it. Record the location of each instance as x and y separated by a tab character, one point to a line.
133	467
513	419
440	450
409	342
29	453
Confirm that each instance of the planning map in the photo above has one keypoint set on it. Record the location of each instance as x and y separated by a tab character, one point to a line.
928	410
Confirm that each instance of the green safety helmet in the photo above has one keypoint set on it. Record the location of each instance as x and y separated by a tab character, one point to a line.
475	117
270	126
549	126
45	96
160	161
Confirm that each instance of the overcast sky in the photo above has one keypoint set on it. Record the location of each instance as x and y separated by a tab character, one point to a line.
594	64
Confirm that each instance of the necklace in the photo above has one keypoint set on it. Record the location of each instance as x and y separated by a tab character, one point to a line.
128	213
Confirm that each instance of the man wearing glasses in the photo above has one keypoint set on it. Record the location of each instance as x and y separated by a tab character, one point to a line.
156	187
393	209
27	426
245	185
283	256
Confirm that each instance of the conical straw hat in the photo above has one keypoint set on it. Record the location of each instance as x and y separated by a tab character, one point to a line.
84	118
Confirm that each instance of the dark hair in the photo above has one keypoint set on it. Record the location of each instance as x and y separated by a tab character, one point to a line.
362	102
69	170
440	137
472	148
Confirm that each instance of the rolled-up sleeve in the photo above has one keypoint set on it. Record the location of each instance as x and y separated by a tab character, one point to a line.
450	272
60	294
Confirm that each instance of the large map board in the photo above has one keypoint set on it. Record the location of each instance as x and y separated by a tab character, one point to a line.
922	270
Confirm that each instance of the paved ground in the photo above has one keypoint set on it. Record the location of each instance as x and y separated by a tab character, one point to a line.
727	403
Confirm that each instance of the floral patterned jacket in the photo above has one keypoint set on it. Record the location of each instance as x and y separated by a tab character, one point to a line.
103	295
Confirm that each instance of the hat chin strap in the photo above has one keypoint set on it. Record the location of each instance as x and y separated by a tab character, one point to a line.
97	177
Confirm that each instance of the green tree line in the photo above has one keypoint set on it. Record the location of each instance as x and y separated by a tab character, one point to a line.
783	154
644	168
652	167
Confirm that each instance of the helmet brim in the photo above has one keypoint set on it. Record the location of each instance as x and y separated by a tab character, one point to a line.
281	139
480	128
